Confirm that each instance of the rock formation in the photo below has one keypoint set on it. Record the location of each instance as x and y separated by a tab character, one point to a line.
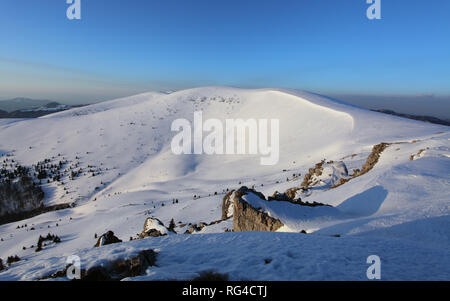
153	227
245	216
107	239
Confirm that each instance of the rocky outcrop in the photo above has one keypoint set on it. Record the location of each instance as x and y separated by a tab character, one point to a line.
153	227
248	218
107	239
195	228
289	196
370	163
19	196
279	197
291	193
325	175
228	200
373	158
315	171
419	154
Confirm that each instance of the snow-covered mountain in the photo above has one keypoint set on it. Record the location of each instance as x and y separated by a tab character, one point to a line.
114	164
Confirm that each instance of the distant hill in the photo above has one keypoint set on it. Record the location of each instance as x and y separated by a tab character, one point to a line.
37	110
429	119
21	103
4	114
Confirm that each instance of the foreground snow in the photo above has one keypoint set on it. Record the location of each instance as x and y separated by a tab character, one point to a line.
259	256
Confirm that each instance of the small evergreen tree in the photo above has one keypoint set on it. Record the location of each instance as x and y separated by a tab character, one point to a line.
172	225
39	244
12	259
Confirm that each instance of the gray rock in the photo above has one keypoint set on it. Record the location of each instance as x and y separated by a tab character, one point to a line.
107	239
248	218
195	228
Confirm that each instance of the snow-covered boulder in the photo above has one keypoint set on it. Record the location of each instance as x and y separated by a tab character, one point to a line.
153	227
107	239
326	174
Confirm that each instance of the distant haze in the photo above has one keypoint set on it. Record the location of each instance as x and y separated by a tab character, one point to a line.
428	105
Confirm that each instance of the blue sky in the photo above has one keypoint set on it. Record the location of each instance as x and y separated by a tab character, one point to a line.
125	47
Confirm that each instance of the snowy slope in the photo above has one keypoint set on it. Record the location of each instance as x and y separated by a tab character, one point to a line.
129	171
260	256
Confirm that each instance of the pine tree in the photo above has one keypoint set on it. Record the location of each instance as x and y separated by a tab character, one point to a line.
172	225
39	244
